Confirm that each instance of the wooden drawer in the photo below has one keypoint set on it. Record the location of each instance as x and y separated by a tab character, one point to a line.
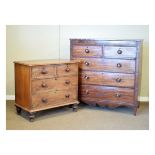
87	51
107	94
41	72
110	65
87	77
63	83
65	70
107	79
50	71
53	98
119	52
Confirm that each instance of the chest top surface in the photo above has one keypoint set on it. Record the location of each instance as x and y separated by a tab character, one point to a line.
45	62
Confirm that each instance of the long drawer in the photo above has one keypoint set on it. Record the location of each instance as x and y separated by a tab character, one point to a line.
110	65
95	94
63	83
107	79
53	98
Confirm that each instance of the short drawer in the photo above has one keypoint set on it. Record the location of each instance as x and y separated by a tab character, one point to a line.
67	69
120	52
106	94
109	65
107	79
53	98
63	83
87	51
40	72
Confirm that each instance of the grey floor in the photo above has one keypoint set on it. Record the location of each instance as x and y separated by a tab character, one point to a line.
87	118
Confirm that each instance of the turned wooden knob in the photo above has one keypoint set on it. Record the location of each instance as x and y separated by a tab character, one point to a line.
44	71
86	77
118	80
44	85
67	82
87	63
67	96
44	100
118	95
119	51
87	92
119	65
67	69
86	50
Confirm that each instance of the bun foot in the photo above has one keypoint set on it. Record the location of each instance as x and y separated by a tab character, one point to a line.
31	116
18	110
75	107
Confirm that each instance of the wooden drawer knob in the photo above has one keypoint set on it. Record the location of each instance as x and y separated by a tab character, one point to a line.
118	95
87	92
87	63
119	65
44	100
119	51
86	77
67	69
67	82
44	71
86	50
118	80
67	96
44	85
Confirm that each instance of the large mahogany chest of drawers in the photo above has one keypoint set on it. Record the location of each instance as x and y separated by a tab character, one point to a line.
109	71
45	84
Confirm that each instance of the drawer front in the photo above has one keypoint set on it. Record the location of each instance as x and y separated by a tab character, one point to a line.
110	65
66	70
119	52
87	51
107	79
63	83
53	98
41	72
87	77
108	94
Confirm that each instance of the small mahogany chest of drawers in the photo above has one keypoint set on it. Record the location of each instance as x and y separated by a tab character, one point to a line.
45	84
109	71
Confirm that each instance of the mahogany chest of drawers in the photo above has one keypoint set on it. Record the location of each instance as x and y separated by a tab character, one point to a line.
109	71
45	84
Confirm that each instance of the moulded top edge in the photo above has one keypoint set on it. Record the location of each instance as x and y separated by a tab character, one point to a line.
100	39
45	62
